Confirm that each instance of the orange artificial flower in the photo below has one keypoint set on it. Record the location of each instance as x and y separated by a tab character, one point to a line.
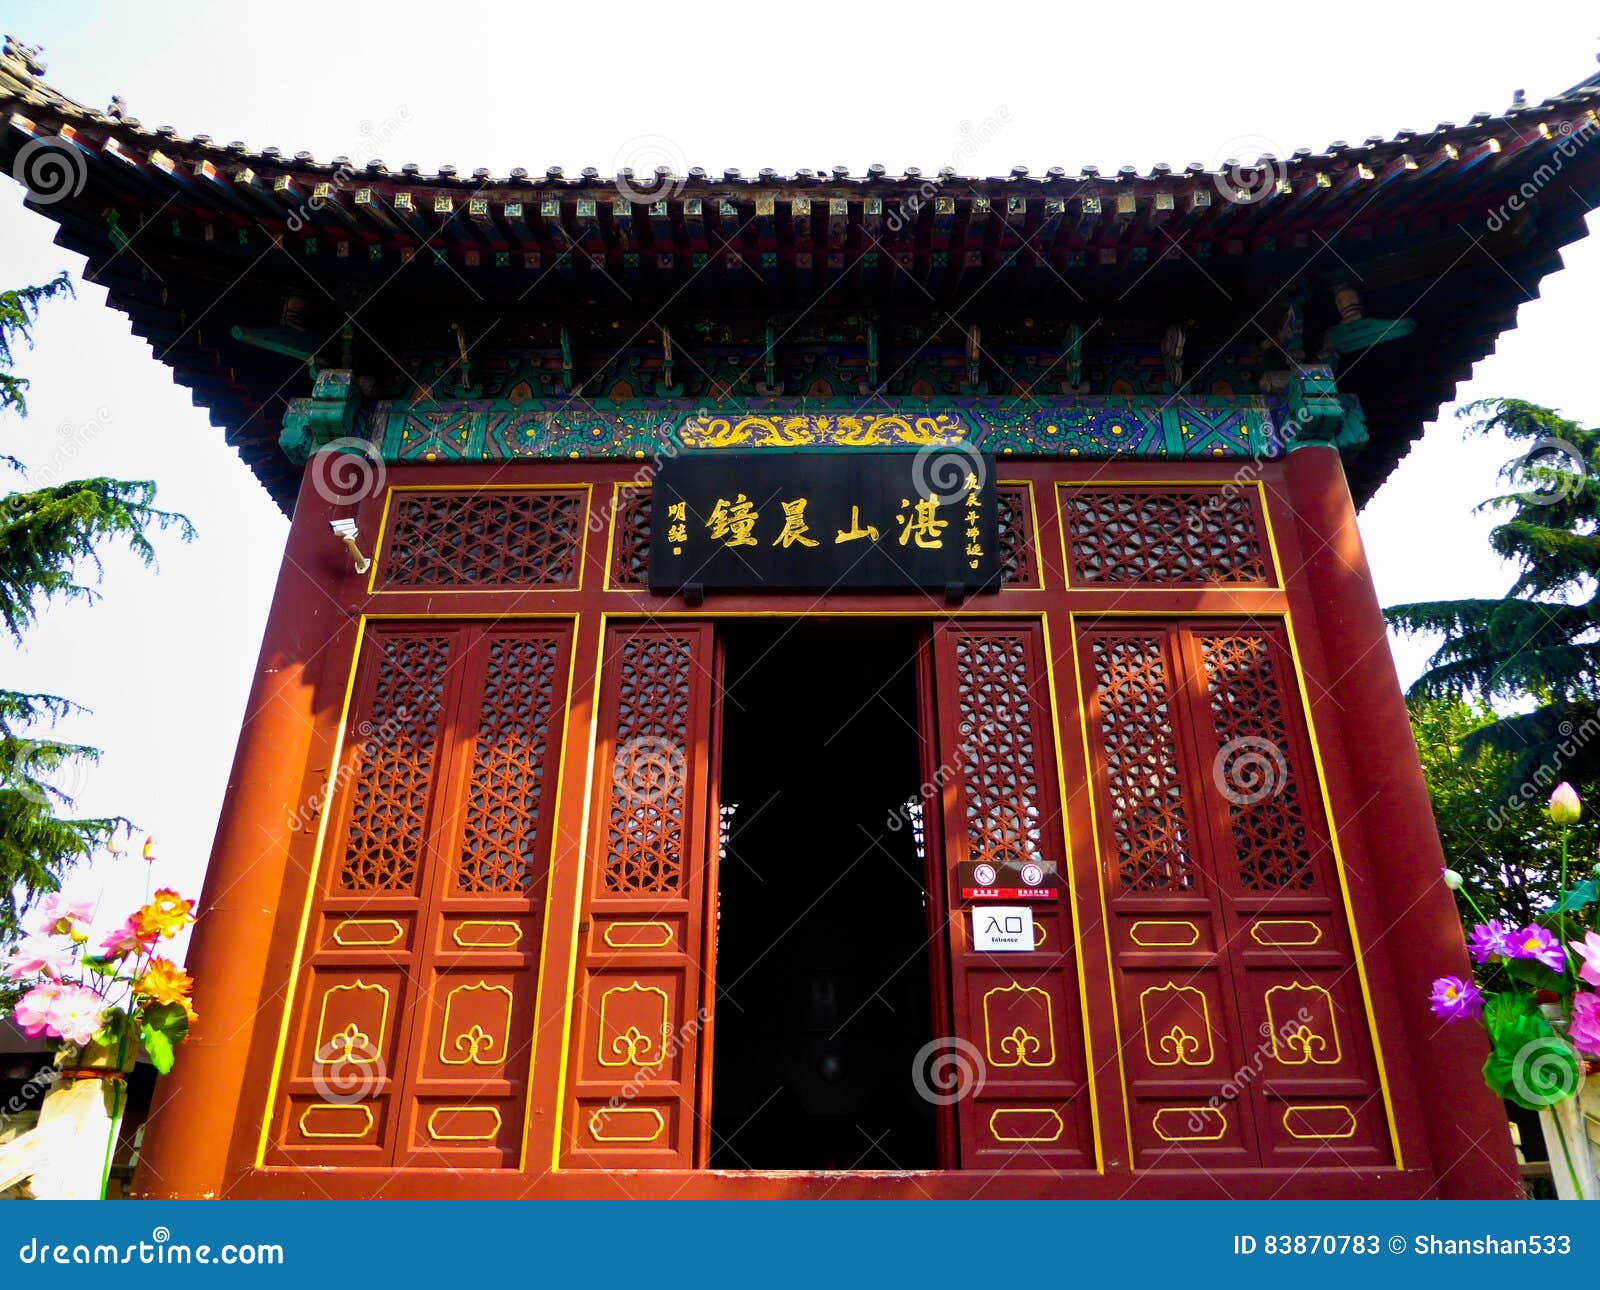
166	982
167	914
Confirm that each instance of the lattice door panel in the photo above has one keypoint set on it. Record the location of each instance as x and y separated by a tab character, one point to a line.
637	1010
1245	1035
1018	1015
412	1030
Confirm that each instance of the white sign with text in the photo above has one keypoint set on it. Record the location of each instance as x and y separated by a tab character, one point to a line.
1002	928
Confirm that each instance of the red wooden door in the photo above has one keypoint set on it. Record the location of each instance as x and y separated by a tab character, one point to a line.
410	1035
1245	1033
638	1014
1018	1017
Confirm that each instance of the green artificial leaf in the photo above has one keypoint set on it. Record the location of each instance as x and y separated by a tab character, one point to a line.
1531	1065
166	1025
1536	975
1507	1009
159	1049
1585	893
100	966
113	1024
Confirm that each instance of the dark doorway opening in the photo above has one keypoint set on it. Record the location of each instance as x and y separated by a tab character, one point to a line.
823	977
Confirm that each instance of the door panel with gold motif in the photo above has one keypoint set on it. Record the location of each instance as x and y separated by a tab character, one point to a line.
637	1012
409	1040
1018	1014
1245	1033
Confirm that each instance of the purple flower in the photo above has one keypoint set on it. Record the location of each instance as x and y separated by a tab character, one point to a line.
1584	1028
1452	998
1489	940
1537	943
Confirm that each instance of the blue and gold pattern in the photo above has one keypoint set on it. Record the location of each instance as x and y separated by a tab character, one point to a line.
1083	426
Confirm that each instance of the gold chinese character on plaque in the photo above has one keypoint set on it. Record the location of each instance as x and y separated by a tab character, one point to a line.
856	531
733	523
923	525
795	527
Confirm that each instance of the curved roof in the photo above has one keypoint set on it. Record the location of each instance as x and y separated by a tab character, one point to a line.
1451	227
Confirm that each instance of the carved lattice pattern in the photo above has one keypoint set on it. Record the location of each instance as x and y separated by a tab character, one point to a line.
393	766
1133	536
645	849
506	794
998	758
1149	829
495	538
1016	535
1254	769
630	552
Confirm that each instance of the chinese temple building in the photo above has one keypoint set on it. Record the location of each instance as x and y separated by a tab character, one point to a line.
821	684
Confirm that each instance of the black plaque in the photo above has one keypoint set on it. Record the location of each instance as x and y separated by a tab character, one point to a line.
814	521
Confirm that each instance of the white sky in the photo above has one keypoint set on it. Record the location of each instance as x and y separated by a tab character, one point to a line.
165	660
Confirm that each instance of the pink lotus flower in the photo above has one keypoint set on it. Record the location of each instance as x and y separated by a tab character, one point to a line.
1588	949
76	1014
1453	998
1537	943
1489	940
1584	1028
127	939
69	1012
40	956
35	1010
1565	808
59	915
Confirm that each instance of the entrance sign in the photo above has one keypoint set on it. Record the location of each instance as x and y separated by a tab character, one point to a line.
1002	928
847	520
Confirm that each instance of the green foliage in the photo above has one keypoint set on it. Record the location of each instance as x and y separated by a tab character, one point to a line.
166	1025
1504	846
49	538
19	309
47	535
1540	640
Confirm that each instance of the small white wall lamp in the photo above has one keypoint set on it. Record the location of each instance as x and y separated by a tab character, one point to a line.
346	532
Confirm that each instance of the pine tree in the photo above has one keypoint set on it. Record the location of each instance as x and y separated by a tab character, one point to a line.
1537	648
50	538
